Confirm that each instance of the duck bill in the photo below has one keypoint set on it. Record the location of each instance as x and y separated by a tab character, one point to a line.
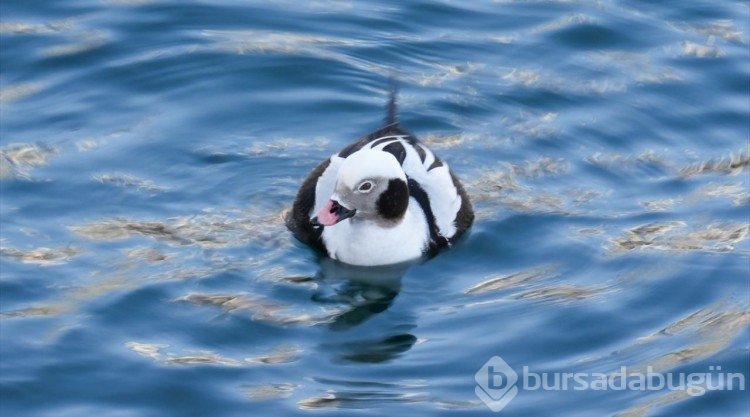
332	213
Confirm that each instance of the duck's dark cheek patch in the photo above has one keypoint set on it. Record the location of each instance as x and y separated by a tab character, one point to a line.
392	204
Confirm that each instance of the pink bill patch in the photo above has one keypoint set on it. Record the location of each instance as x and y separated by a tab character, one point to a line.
325	217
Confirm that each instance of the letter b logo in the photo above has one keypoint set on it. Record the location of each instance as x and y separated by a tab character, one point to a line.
496	380
496	384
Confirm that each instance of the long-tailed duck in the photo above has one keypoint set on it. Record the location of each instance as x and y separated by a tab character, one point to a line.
384	199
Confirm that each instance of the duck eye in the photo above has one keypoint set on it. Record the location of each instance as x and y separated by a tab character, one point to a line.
365	186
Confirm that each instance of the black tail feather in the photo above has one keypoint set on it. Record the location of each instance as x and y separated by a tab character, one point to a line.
392	106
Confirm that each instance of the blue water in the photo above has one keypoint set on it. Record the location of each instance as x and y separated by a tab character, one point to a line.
151	147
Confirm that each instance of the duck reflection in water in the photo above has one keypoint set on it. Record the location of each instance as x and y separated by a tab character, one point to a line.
364	292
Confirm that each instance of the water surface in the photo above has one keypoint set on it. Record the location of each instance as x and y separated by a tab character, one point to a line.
149	149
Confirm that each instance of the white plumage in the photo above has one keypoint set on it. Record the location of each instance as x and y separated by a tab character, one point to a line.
383	199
